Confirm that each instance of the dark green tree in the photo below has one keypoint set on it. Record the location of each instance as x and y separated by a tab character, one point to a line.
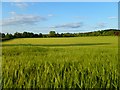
40	35
3	35
9	36
17	35
52	33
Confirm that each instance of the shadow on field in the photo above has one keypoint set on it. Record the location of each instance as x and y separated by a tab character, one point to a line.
50	45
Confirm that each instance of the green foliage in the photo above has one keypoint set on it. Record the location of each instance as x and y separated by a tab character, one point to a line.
52	34
9	36
109	32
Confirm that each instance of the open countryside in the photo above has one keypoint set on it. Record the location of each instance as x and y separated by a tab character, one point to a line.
77	62
59	45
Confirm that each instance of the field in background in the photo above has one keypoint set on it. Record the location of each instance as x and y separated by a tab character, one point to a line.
83	62
61	41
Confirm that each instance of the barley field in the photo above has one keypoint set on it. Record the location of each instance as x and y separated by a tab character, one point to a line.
77	62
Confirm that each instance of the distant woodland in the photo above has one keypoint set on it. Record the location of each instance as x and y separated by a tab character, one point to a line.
108	32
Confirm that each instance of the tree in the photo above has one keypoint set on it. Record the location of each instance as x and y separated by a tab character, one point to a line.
117	33
3	35
17	35
30	35
52	33
9	36
24	34
40	35
36	35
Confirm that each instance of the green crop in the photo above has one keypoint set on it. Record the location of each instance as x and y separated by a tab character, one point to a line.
87	62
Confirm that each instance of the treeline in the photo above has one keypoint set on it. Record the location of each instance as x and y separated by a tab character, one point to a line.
109	32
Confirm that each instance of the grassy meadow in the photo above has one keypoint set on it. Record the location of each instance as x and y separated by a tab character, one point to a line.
76	62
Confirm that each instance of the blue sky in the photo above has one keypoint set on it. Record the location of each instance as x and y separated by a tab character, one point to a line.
42	17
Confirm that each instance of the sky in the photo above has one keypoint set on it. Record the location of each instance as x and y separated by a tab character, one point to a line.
60	0
62	17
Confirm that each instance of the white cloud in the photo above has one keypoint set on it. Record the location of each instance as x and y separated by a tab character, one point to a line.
20	4
69	25
50	15
12	13
22	20
113	17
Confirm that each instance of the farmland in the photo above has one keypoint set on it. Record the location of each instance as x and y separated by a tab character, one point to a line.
76	62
